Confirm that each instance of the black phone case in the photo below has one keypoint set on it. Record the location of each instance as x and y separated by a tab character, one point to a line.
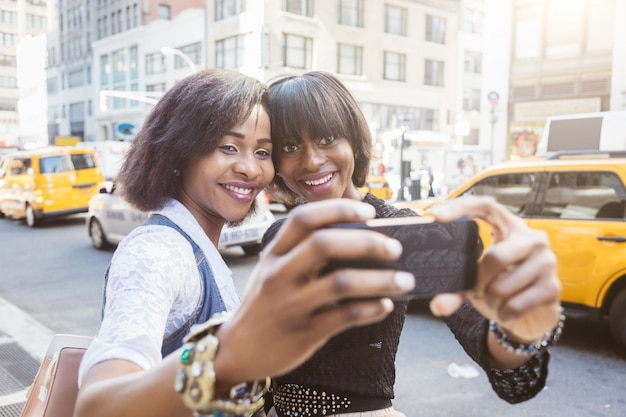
442	256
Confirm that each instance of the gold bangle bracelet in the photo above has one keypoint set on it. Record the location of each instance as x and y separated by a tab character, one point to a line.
195	377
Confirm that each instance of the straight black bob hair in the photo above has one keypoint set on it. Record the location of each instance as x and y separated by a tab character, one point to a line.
187	123
319	104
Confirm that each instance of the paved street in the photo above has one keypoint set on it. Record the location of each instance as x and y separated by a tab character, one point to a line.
56	287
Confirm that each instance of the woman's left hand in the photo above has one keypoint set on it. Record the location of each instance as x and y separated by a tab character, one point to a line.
517	282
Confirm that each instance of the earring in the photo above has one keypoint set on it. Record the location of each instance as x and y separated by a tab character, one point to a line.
177	173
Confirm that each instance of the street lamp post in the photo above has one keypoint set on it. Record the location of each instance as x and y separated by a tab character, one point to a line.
167	50
401	189
493	98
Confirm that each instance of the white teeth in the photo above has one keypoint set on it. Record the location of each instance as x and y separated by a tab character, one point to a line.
238	190
320	181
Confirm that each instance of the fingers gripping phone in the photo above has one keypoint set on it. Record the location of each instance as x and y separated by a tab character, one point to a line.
442	256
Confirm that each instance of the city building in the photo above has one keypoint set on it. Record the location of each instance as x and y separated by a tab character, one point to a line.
74	99
414	66
568	56
21	21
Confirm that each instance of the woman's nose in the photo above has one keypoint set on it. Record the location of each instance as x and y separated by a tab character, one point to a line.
250	166
312	158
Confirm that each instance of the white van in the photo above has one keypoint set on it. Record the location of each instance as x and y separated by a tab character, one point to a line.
584	131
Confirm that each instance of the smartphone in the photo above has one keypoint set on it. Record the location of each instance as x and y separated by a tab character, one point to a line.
442	256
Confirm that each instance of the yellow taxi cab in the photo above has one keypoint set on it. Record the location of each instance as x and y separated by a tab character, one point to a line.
378	186
48	182
578	199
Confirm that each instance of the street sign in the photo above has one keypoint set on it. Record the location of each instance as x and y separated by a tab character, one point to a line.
493	97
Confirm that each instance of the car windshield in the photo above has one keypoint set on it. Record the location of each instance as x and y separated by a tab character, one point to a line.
54	164
82	161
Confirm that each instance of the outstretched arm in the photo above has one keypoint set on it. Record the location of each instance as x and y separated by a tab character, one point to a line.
287	313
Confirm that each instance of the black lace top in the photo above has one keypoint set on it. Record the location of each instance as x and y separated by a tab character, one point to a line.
361	361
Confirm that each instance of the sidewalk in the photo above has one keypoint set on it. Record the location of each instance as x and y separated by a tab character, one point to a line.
23	342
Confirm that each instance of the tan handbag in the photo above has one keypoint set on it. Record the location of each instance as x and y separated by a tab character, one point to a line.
53	393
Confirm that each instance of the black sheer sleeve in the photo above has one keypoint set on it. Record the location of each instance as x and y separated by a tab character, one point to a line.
514	386
270	233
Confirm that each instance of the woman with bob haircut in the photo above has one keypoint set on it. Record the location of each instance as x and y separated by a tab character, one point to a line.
322	152
175	339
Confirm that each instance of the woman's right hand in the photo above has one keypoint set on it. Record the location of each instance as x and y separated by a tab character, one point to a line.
288	311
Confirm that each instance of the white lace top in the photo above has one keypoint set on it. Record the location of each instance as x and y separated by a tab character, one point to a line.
153	288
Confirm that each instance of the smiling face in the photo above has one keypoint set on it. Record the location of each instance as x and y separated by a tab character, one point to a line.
318	168
322	141
221	186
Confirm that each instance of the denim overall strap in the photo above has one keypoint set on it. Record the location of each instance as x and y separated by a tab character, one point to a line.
211	301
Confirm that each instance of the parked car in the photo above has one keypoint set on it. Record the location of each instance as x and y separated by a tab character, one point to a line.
378	186
48	182
110	218
578	199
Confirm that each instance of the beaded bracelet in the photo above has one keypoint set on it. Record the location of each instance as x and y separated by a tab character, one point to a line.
195	378
550	338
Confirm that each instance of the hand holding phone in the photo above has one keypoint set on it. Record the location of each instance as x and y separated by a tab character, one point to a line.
441	256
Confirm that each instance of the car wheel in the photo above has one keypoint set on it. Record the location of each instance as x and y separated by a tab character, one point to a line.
253	249
31	220
98	239
617	318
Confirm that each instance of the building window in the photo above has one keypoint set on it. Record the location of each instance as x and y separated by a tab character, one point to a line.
160	87
135	15
8	104
7	39
395	20
8	18
133	67
351	13
471	99
7	81
155	63
193	51
134	87
433	72
395	66
76	78
7	60
119	65
301	7
472	21
53	85
119	102
349	59
229	52
105	70
297	51
228	8
473	62
435	29
34	21
164	12
77	119
120	27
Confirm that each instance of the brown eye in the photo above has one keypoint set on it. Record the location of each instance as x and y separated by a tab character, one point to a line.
290	148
